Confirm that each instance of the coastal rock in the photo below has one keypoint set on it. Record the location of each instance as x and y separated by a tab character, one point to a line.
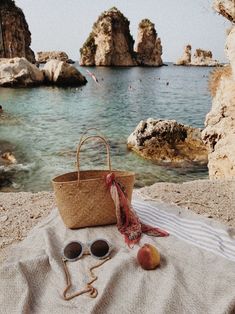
186	57
168	141
60	73
203	58
44	56
225	8
200	58
19	72
230	49
110	42
15	37
148	47
219	133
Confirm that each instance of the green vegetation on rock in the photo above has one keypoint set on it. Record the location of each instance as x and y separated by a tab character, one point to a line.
146	23
89	44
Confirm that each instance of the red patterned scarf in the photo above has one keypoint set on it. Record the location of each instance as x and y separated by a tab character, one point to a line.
128	222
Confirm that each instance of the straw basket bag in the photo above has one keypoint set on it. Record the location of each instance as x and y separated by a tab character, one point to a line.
83	198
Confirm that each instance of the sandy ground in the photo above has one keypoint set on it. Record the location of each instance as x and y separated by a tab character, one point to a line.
20	212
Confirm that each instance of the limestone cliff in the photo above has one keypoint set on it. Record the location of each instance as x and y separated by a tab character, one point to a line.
219	133
15	37
186	57
110	42
148	46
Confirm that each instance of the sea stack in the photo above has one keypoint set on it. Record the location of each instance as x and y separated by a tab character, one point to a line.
110	42
200	58
15	37
186	57
203	58
219	133
148	47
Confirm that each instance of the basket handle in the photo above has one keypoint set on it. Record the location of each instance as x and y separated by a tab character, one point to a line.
79	150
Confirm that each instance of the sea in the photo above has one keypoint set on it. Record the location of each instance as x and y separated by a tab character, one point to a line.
42	126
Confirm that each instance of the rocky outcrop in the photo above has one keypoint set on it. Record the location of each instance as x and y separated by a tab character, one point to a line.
186	57
225	8
110	42
44	56
15	37
219	133
200	58
203	58
19	72
148	46
60	73
168	141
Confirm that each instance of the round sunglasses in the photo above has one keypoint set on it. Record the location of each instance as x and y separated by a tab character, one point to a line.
99	248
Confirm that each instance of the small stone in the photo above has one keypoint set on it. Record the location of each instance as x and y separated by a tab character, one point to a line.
3	218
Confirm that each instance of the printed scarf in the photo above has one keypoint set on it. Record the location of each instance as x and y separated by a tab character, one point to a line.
128	222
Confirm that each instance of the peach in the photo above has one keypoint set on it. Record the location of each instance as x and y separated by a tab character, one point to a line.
148	257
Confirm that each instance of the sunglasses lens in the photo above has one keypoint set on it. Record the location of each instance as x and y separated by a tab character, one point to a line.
99	248
72	250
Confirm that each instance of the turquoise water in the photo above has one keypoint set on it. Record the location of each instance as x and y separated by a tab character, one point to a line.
44	124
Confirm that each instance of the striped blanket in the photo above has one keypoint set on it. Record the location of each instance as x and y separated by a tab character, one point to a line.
196	274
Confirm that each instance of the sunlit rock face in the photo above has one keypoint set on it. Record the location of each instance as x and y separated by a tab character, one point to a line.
148	46
186	57
60	73
110	42
219	133
168	141
203	58
19	72
15	37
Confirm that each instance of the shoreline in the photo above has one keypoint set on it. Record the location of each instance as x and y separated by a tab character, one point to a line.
21	211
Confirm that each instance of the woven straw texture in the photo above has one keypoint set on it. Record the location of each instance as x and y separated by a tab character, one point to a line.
83	198
88	203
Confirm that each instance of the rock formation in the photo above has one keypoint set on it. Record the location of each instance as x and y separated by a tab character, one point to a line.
44	56
186	57
19	72
148	47
200	58
203	58
225	8
219	133
168	141
60	73
15	37
110	42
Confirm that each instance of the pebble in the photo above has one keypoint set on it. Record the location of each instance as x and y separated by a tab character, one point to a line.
3	218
